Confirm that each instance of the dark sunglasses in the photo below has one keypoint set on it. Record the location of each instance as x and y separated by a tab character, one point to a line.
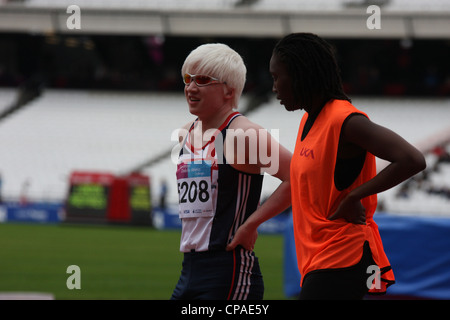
200	80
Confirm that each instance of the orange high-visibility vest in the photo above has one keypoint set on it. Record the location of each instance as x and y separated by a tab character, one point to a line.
320	243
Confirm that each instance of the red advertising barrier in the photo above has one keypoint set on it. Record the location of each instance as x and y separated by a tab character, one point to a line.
103	197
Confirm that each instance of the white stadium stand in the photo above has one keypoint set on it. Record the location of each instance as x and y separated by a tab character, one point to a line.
114	132
70	130
7	98
251	18
261	5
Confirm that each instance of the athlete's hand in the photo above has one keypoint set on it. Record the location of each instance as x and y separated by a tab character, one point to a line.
351	210
245	236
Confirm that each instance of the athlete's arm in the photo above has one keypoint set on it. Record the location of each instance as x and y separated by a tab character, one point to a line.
405	161
273	159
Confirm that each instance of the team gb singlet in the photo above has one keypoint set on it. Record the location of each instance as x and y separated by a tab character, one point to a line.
214	198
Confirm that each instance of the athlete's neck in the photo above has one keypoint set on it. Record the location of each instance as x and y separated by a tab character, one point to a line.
214	121
205	128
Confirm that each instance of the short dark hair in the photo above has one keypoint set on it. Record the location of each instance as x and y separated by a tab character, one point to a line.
312	64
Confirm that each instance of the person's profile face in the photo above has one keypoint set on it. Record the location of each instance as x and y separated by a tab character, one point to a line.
282	83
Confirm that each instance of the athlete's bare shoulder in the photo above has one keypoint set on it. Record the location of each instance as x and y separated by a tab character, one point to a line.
244	123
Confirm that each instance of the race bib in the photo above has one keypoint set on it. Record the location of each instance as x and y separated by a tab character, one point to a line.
194	190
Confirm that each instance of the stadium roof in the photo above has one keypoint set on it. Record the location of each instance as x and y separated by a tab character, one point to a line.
247	18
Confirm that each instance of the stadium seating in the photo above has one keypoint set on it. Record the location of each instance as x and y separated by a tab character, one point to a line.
402	19
68	130
7	97
114	132
260	5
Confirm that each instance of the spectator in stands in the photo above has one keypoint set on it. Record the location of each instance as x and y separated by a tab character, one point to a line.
333	176
220	172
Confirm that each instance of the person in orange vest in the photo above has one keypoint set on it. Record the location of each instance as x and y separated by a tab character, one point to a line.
334	183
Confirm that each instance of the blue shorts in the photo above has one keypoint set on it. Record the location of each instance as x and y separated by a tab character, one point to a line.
220	275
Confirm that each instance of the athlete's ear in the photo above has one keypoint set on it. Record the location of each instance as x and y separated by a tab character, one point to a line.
229	92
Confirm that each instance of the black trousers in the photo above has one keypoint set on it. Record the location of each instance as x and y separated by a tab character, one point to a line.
220	275
339	284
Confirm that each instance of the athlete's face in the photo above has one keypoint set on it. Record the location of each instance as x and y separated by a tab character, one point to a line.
282	83
206	99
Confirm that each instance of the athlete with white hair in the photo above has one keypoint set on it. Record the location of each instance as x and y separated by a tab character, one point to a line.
222	160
